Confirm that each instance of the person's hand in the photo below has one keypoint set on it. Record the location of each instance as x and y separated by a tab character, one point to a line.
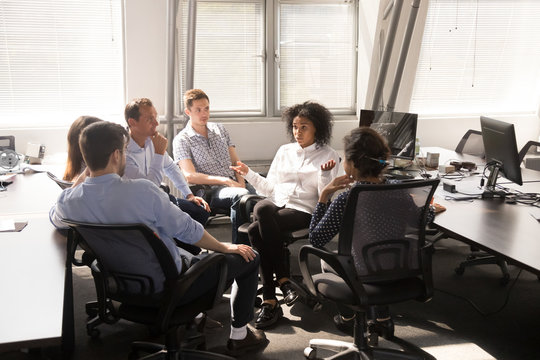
244	251
329	165
160	143
82	176
199	201
340	182
240	168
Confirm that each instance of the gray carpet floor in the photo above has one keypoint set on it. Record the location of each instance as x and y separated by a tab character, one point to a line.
449	326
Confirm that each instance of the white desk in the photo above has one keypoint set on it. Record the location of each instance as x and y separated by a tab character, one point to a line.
33	269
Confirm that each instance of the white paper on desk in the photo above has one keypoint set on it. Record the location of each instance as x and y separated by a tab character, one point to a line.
535	213
6	178
7	225
35	167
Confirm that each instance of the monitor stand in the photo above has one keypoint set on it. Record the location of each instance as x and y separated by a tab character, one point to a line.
490	190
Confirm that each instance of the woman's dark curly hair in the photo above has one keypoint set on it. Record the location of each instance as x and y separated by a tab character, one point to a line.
363	147
320	116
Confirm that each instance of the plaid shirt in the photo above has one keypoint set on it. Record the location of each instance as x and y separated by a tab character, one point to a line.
209	155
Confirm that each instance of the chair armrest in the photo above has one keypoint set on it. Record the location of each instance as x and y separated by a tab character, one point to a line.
247	203
343	266
179	286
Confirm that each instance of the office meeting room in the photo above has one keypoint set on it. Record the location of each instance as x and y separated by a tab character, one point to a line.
269	179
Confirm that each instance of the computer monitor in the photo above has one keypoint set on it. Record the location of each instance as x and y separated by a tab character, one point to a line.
501	151
399	130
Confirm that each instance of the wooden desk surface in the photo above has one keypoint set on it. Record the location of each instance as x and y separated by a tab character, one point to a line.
499	228
32	266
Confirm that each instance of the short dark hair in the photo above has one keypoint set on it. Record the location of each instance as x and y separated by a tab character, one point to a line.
194	94
132	109
320	116
99	140
363	147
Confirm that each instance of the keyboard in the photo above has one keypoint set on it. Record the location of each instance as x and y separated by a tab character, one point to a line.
394	175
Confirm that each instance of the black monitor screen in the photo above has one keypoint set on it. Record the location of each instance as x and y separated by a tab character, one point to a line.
501	147
399	130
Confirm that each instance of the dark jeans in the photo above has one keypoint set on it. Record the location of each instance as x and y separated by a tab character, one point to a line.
265	236
197	213
228	198
242	275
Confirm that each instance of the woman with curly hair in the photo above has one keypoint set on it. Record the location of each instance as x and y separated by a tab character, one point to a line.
299	172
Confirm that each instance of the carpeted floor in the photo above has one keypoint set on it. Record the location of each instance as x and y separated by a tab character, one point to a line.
448	327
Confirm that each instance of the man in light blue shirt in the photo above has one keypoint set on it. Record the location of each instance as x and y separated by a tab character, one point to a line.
101	195
147	158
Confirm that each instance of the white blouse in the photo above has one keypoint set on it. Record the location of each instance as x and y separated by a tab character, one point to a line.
295	178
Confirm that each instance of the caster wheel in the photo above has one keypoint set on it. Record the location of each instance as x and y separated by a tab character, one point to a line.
310	353
459	270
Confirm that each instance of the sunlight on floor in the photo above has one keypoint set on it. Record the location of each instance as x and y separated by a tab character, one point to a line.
465	351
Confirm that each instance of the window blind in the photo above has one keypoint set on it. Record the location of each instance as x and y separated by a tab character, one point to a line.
317	54
479	57
59	59
229	54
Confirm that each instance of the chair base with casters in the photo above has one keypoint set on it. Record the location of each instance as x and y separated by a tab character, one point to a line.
481	258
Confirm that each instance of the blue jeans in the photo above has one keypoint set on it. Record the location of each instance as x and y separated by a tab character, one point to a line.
242	275
223	197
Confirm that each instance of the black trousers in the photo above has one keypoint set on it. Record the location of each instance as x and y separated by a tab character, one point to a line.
265	236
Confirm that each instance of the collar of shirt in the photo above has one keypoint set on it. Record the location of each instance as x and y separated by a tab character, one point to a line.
133	147
307	149
101	179
191	132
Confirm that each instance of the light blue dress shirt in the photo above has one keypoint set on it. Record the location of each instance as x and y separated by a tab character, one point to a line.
110	199
144	163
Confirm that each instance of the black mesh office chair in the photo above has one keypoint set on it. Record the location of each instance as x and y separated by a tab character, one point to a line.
530	156
247	203
472	144
136	279
382	259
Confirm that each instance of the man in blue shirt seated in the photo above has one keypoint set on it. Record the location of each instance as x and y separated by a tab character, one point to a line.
101	195
146	157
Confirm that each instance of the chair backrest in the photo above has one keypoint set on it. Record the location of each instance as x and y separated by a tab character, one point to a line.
134	263
530	156
383	228
472	144
62	183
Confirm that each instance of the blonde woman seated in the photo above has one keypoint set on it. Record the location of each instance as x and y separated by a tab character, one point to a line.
299	172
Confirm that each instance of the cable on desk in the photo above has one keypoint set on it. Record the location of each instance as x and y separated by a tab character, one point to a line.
476	307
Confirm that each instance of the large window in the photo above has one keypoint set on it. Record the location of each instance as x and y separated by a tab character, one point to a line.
59	59
256	57
479	57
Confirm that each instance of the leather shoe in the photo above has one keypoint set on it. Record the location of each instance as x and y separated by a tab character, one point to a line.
289	294
253	340
268	315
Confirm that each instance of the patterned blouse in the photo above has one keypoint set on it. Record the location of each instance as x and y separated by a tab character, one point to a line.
326	219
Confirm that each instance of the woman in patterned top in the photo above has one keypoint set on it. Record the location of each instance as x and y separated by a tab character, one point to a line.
366	153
